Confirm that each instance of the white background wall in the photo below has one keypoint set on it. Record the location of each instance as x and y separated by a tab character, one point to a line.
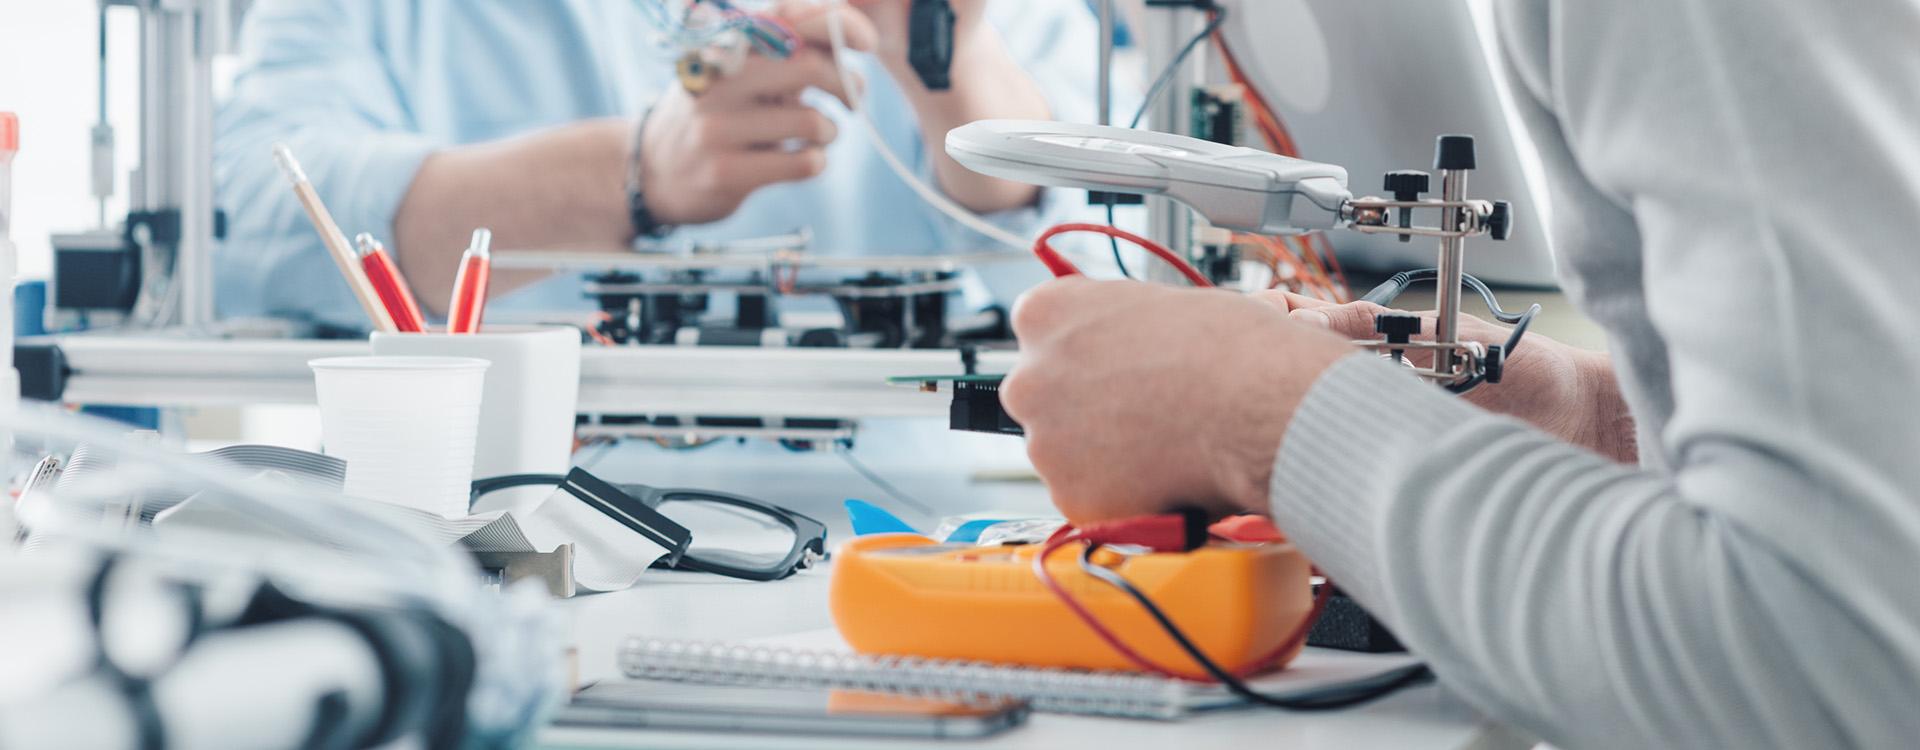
48	50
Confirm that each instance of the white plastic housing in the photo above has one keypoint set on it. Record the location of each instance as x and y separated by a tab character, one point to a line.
1233	187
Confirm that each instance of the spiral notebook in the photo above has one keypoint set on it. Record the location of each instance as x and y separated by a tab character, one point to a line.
820	659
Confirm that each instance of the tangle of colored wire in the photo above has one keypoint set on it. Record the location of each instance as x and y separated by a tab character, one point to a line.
691	29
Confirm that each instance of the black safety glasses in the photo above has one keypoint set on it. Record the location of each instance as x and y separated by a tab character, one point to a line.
732	535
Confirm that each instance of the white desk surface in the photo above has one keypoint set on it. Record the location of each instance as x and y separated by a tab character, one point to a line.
685	605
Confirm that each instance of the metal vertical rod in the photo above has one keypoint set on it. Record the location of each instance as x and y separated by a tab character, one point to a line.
176	149
1168	222
1106	62
156	131
1453	188
102	133
193	268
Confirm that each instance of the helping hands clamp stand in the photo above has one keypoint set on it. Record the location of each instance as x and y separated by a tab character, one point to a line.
1456	365
1248	190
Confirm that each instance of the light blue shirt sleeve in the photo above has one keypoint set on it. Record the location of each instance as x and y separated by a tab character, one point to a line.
364	92
1057	42
314	78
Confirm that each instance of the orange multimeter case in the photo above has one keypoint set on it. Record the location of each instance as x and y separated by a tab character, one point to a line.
904	594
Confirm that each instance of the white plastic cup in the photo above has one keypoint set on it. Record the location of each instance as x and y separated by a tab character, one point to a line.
406	426
532	395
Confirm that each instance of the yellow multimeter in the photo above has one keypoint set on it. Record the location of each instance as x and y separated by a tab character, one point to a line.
905	594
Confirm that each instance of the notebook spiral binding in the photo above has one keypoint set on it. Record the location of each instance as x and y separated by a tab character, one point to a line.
1049	690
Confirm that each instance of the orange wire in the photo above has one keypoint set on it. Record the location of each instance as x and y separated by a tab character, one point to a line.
1312	277
594	333
1276	133
1282	143
1280	251
1312	254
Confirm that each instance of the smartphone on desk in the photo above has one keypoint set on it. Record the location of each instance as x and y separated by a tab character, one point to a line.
679	707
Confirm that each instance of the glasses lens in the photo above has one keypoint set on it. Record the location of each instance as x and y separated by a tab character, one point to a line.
730	534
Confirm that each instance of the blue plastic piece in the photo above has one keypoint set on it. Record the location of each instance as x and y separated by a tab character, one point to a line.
969	532
868	518
29	307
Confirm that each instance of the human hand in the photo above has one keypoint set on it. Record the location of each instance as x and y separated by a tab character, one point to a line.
1137	399
986	83
1560	389
701	156
891	17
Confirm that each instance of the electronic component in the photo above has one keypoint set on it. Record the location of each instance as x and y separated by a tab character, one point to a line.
878	310
907	595
95	274
976	401
976	407
1216	113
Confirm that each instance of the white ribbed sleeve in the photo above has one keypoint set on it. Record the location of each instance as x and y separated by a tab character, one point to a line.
1735	182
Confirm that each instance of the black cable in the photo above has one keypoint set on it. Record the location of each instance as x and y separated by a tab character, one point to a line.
1159	85
1166	74
1318	699
1387	290
1119	261
1520	327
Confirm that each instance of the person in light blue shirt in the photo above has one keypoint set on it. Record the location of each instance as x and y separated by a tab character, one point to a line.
419	120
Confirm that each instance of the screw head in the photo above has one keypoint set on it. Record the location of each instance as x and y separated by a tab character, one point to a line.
1407	184
1453	152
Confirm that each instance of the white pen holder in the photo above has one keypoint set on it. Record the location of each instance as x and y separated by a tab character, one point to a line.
531	394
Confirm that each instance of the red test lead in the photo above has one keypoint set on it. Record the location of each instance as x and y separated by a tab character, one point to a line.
470	286
388	285
1060	266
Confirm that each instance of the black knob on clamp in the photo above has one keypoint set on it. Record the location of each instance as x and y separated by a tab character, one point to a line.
1495	364
1407	185
1399	328
1453	152
1500	221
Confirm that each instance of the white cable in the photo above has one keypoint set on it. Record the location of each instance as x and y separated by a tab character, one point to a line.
933	197
412	562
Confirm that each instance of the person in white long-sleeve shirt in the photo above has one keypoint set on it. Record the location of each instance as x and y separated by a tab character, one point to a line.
1710	537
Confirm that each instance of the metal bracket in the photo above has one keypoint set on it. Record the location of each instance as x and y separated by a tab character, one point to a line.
554	568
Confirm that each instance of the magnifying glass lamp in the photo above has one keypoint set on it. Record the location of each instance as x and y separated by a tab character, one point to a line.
1256	191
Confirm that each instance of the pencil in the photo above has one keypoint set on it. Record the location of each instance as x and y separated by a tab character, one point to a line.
334	239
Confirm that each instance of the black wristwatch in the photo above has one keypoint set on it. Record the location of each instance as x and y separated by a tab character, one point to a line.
644	223
930	42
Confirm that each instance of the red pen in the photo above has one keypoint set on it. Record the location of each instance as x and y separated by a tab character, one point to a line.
389	286
470	285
